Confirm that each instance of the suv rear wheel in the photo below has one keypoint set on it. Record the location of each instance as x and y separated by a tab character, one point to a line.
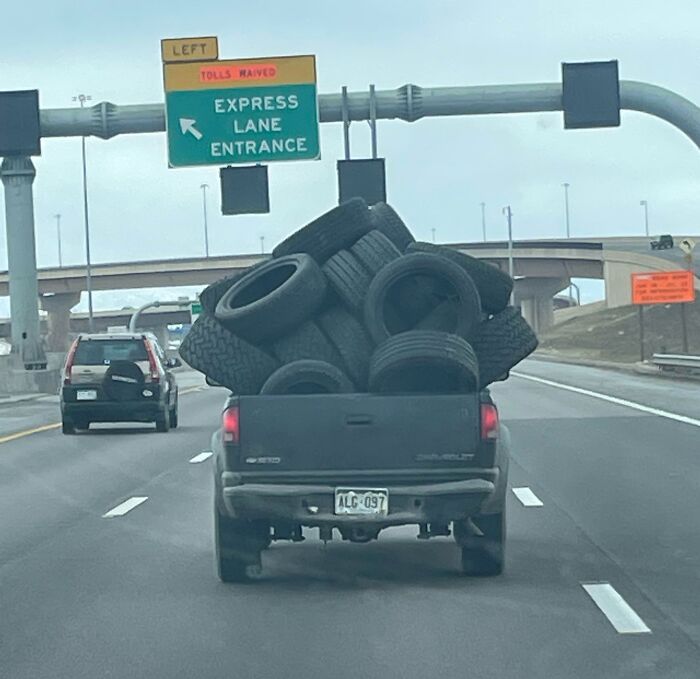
163	421
67	426
482	555
173	417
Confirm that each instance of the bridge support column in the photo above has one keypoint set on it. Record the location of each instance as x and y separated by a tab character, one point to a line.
17	177
58	307
534	296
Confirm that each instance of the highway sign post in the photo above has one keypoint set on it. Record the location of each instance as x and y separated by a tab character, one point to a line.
663	287
241	111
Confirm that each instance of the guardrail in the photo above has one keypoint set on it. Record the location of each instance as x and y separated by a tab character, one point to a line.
678	363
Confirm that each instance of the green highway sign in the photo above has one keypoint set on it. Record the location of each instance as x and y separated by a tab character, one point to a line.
241	111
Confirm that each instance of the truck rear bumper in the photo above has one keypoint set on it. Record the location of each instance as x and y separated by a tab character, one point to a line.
314	505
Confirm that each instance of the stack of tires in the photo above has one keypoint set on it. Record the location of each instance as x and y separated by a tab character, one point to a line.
351	303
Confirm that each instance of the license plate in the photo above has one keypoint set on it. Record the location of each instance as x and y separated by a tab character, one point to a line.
362	501
86	395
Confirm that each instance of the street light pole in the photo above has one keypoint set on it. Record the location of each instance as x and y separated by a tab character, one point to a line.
566	208
509	217
433	230
483	220
262	245
204	188
82	98
645	205
57	217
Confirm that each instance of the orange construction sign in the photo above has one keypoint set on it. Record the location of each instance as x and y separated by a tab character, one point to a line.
663	287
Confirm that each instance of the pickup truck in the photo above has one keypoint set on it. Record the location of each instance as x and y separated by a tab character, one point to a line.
359	463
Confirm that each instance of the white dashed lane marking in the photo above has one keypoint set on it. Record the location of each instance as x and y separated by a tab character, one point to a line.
612	399
124	507
527	497
201	457
620	614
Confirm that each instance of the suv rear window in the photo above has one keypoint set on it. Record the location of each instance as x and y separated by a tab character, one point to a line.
103	352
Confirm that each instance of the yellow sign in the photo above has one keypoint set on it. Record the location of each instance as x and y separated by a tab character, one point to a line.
189	49
236	73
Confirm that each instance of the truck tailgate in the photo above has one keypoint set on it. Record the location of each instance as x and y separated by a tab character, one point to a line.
357	431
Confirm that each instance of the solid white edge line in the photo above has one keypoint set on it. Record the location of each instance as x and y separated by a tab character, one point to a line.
527	497
618	612
124	507
611	399
204	455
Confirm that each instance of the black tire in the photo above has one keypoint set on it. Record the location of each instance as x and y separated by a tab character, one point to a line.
212	294
386	310
386	220
163	421
308	377
349	338
494	286
306	341
67	426
336	229
374	251
273	298
483	555
501	343
82	424
237	546
225	358
423	361
123	381
348	279
174	417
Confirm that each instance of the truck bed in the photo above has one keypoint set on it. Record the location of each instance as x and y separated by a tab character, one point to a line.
358	432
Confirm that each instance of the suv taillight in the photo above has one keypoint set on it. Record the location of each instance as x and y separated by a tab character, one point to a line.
152	361
70	358
489	422
231	426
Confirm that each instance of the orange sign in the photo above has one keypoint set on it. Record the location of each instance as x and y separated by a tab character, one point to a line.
663	287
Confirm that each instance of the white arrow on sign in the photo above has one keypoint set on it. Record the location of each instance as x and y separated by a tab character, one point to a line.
188	125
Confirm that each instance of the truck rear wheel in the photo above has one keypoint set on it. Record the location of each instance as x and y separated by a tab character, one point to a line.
237	546
483	555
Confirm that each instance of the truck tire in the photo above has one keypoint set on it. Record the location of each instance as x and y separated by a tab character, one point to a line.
305	341
494	285
349	338
374	251
273	298
483	555
226	359
308	377
212	294
324	236
348	279
237	547
386	311
501	343
123	381
423	361
386	220
67	426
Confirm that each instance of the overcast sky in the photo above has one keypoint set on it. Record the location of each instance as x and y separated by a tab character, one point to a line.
438	170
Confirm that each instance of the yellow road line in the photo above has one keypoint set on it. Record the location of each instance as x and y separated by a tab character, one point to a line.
29	432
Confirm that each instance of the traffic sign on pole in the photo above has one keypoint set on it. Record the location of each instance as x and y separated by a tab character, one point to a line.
663	287
241	111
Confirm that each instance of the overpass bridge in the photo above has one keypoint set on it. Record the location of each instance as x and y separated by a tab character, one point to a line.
542	268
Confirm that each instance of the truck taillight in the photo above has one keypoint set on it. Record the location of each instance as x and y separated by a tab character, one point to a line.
489	422
152	361
68	370
232	425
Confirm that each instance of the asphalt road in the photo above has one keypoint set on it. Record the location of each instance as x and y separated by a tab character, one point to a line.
83	596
